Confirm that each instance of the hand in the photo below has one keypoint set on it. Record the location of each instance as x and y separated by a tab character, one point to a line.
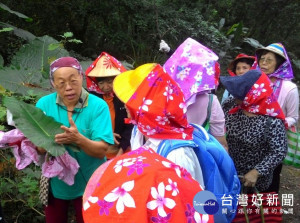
164	47
250	178
116	135
71	134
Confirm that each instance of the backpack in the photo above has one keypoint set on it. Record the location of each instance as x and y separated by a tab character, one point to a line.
219	173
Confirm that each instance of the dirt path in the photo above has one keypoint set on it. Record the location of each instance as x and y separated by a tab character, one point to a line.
290	184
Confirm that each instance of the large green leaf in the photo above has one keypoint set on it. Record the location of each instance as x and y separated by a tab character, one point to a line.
24	81
35	125
29	71
5	7
36	55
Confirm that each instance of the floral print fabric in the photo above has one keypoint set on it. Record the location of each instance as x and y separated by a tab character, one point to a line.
64	167
260	100
158	108
194	67
141	186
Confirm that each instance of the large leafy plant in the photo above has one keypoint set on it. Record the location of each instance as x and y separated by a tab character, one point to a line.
35	125
28	72
24	81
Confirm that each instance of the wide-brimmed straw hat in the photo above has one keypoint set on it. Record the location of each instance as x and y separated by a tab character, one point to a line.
276	48
105	66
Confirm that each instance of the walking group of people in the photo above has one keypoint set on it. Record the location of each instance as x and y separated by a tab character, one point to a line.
122	117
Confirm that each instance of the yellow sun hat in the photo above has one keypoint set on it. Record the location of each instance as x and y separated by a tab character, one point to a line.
126	83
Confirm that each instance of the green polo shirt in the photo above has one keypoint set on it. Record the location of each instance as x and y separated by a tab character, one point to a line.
92	119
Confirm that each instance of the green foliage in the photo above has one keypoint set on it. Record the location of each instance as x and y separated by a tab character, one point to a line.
28	73
65	39
25	186
35	125
25	35
6	29
128	30
2	117
19	191
35	55
20	15
24	81
131	30
263	21
232	29
237	31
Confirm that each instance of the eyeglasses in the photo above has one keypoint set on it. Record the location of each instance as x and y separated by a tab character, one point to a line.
267	60
63	84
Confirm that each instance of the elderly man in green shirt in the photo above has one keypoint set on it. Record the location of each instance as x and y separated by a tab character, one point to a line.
86	122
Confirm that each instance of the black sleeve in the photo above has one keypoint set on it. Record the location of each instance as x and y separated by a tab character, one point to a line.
277	142
123	129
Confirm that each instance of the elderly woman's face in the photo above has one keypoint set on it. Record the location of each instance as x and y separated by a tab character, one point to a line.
241	68
267	63
68	84
106	85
